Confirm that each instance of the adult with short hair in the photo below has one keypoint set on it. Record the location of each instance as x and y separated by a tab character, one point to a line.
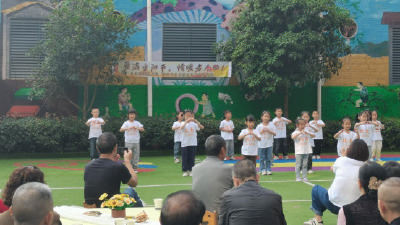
248	203
105	174
212	177
182	208
392	169
32	204
364	211
389	200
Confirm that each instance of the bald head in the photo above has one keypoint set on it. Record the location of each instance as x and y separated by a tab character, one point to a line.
32	204
182	208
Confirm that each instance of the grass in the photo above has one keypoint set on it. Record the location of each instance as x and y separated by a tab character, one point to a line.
296	196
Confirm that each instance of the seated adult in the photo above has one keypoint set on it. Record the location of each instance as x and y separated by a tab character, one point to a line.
212	177
389	200
344	188
32	204
105	174
364	211
392	169
248	203
182	208
18	177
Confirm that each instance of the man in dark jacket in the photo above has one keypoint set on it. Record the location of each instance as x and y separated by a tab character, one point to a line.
248	203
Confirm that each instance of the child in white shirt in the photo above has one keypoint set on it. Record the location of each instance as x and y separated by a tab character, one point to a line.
250	139
345	136
319	137
310	129
131	128
302	148
280	142
366	130
377	141
177	135
189	142
95	131
226	127
266	129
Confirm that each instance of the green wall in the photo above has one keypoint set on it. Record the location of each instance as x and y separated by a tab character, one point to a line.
164	98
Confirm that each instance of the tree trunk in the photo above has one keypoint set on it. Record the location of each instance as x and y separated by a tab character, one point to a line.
85	100
286	104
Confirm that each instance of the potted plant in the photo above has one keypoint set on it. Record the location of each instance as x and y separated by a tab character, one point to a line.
117	203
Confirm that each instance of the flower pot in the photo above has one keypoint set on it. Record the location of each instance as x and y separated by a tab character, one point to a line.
118	213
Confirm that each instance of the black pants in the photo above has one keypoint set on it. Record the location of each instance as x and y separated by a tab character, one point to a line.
188	154
280	146
318	146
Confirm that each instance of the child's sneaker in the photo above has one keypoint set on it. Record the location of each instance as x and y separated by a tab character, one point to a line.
310	172
286	157
190	173
298	179
314	157
318	157
305	180
264	173
185	174
313	221
177	160
276	157
269	173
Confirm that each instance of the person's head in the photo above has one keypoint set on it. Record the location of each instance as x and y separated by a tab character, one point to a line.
369	115
364	116
244	170
106	143
182	208
32	204
389	199
360	84
346	123
204	97
300	124
278	112
95	112
392	169
215	146
370	176
315	115
188	114
179	115
265	116
19	177
132	114
250	121
228	115
358	150
305	116
374	115
124	90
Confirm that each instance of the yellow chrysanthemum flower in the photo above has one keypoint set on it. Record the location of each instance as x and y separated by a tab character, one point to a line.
128	201
103	196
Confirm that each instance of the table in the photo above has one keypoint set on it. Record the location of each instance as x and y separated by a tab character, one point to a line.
73	215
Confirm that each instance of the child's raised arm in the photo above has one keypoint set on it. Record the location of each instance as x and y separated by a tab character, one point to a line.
296	134
337	134
199	124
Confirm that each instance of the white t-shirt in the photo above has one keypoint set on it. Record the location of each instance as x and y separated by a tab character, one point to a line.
309	129
318	124
178	132
366	132
95	127
132	135
378	135
227	125
250	143
280	125
267	139
344	188
344	140
189	134
302	143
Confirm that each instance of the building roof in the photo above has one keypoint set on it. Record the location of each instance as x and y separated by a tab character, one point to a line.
22	6
391	18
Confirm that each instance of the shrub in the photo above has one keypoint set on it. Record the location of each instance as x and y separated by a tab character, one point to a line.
32	135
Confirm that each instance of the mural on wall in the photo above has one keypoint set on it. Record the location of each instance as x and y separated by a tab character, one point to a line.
207	106
124	98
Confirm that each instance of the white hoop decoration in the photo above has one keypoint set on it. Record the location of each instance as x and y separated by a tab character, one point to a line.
178	101
349	31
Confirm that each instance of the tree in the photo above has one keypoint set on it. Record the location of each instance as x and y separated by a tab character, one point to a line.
286	43
83	40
